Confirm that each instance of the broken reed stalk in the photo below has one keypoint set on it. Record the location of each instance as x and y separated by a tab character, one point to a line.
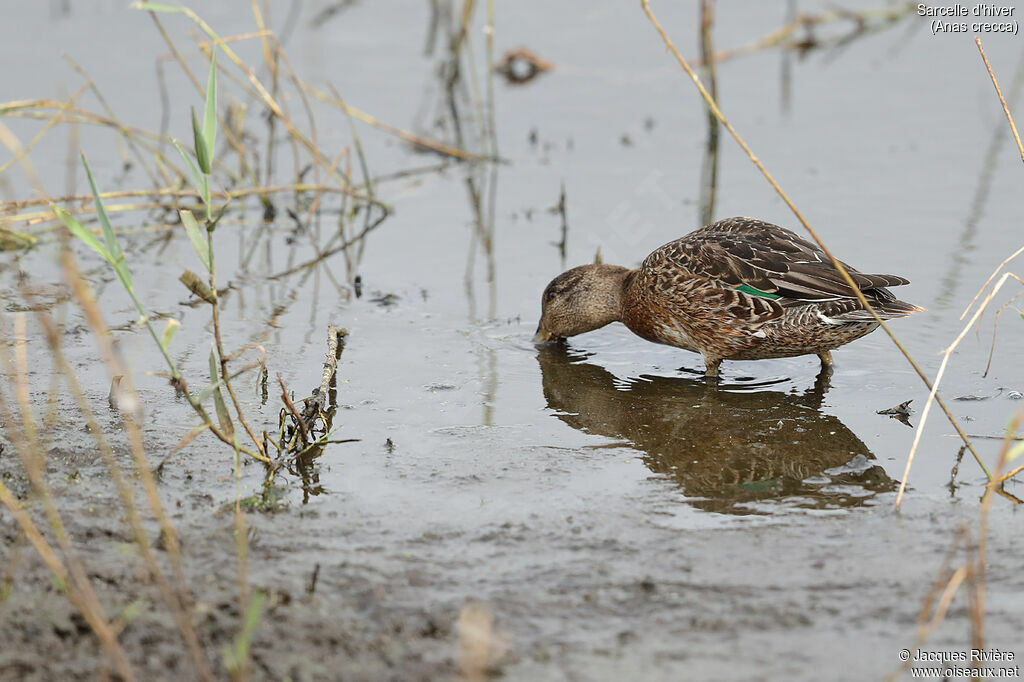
335	336
294	412
814	235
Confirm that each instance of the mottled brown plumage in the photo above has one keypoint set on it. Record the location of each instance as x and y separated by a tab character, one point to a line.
739	289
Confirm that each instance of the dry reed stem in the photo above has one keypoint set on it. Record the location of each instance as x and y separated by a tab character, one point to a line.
938	379
1006	109
47	216
945	600
95	620
985	301
11	141
393	130
995	324
792	207
986	506
83	294
332	250
54	120
36	109
779	36
77	583
989	281
139	158
123	488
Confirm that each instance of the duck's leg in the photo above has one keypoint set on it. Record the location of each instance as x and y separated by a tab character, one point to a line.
711	366
826	359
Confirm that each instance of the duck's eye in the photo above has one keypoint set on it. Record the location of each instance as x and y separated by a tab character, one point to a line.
550	295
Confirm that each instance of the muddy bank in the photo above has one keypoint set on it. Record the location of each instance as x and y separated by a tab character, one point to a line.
598	589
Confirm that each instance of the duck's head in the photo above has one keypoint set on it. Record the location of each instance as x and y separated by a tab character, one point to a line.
581	300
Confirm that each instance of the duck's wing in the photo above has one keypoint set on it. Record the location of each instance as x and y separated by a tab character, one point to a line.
745	252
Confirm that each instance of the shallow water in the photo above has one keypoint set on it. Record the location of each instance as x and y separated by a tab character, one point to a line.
616	512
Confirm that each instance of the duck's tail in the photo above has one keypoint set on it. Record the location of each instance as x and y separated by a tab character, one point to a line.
888	308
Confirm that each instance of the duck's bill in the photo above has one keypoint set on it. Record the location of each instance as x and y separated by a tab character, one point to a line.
542	336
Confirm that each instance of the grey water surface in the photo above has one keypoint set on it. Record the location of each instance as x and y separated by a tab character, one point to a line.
621	518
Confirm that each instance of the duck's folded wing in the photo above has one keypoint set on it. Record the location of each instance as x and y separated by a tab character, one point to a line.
769	259
718	303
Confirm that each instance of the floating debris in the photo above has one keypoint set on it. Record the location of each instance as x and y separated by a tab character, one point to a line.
900	412
521	66
385	300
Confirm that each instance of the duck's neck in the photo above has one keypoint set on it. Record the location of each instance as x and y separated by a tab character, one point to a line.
608	293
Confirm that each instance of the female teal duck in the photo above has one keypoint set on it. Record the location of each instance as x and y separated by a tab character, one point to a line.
739	289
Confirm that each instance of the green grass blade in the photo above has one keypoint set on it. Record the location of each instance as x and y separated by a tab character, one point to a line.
210	117
236	659
204	189
202	158
1016	452
169	331
113	248
196	237
205	394
76	228
223	416
196	178
11	240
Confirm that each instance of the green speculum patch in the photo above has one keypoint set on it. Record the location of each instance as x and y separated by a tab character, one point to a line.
747	289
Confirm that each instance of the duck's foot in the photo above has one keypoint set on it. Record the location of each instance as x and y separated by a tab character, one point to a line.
822	382
826	359
711	367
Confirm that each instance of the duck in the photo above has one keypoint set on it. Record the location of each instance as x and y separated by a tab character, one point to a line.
738	289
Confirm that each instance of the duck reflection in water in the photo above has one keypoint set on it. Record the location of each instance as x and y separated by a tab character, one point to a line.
725	449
